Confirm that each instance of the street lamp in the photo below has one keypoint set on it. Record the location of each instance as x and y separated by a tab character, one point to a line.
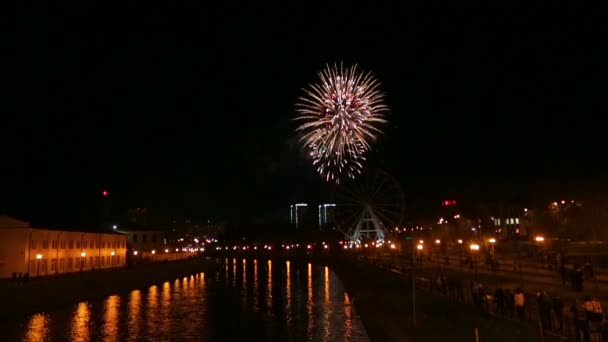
474	248
438	241
419	247
113	253
39	257
539	238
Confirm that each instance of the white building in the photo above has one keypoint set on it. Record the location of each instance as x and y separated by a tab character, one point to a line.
42	252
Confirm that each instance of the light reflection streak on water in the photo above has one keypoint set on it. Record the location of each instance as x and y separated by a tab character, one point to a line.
256	304
134	312
152	323
309	303
348	317
326	325
165	301
244	289
37	329
234	272
269	288
226	268
111	318
288	305
80	323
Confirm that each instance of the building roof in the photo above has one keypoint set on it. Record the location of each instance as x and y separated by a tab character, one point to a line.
7	222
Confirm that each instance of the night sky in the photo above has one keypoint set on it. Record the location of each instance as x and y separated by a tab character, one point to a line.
187	107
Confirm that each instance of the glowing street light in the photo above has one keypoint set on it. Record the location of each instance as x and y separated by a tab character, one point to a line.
539	238
460	241
393	246
39	256
112	253
153	252
419	247
166	250
492	240
421	241
474	247
134	252
438	241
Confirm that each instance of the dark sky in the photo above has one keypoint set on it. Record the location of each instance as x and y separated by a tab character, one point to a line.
186	107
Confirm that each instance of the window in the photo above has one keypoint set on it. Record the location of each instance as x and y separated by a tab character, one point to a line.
103	244
91	262
77	244
109	258
45	244
62	243
53	265
43	266
498	221
71	244
84	262
145	238
135	238
61	264
153	238
103	261
70	264
84	244
97	261
33	244
517	220
53	244
118	259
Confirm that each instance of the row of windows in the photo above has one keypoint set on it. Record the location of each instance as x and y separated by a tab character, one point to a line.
507	221
72	264
85	244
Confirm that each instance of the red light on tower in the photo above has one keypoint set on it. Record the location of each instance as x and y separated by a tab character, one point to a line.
104	193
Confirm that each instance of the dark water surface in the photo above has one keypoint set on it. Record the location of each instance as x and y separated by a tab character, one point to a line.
256	300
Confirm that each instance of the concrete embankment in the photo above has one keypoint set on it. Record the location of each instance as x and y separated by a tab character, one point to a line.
48	293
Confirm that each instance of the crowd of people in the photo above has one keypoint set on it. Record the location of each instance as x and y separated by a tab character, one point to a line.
577	320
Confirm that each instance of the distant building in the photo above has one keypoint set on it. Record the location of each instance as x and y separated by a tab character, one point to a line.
326	215
142	238
297	214
42	252
138	216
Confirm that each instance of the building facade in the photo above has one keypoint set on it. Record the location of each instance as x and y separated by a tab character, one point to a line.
42	252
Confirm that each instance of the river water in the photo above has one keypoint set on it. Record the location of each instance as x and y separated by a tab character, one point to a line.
253	300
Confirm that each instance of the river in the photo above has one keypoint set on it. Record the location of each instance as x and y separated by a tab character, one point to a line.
255	300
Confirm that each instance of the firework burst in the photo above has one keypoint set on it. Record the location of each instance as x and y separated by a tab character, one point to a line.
340	117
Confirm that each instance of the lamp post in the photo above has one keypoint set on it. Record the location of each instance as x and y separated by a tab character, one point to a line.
419	248
38	257
460	250
82	256
113	253
475	248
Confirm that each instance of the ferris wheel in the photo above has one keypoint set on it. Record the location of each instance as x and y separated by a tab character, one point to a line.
368	207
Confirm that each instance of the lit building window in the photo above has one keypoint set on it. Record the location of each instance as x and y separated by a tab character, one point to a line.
517	220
